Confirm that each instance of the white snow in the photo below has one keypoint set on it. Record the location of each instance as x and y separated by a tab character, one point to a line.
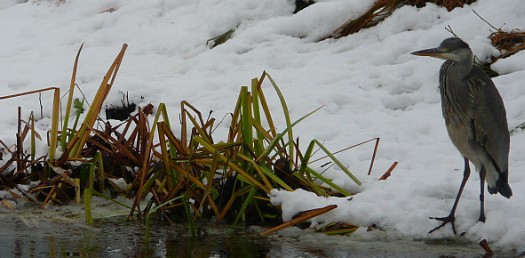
368	82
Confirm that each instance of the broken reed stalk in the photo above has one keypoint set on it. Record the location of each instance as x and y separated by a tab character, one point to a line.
389	171
485	245
373	156
303	217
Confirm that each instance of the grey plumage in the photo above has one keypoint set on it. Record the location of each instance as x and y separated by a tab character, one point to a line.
475	118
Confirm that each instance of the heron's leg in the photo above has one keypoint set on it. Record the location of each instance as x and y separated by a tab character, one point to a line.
451	217
482	174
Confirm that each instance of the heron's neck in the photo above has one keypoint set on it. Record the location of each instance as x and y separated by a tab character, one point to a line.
464	66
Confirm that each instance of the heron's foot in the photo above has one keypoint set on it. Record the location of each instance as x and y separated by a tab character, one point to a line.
445	220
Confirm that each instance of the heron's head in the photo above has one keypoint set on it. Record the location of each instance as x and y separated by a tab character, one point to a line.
453	49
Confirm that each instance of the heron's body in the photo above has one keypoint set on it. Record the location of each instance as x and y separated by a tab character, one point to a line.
475	118
476	122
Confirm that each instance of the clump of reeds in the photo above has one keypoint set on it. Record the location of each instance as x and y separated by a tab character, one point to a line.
56	176
186	177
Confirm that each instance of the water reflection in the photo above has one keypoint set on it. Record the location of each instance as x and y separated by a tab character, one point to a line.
39	235
116	237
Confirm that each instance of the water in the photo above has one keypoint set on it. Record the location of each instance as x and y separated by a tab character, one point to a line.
62	233
34	236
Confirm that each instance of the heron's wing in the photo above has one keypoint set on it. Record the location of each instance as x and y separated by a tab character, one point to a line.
490	119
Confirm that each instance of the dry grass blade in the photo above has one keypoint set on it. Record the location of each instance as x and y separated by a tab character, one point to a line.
27	93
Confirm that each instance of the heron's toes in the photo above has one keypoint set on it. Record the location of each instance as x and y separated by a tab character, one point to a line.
445	220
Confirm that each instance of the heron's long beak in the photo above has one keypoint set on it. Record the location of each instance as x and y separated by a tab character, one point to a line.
435	52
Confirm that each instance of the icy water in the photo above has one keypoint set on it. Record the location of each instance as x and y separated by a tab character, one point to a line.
64	234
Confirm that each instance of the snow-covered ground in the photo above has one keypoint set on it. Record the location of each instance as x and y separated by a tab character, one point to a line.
369	84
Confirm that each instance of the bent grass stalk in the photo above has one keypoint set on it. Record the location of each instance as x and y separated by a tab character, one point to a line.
96	106
305	216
